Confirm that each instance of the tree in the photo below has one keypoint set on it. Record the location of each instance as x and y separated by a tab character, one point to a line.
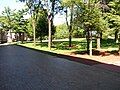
89	17
8	24
19	23
114	17
34	6
3	23
52	8
13	21
69	6
42	25
29	29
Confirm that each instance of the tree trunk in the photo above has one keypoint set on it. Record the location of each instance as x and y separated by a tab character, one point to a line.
119	49
119	44
22	37
98	40
101	36
116	35
34	32
52	30
19	36
41	37
50	22
11	34
1	38
98	43
49	37
90	44
88	41
70	37
70	29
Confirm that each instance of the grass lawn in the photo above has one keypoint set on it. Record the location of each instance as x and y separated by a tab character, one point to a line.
58	46
78	44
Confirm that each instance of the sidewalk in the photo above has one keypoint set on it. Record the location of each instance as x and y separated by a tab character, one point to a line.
4	44
111	59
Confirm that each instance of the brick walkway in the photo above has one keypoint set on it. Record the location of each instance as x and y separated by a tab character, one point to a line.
25	69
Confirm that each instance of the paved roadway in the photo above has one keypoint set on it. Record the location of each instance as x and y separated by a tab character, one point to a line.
25	69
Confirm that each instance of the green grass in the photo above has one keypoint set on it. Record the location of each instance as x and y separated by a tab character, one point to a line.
109	43
61	46
44	48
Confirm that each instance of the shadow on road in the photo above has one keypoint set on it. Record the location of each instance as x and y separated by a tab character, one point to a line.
85	61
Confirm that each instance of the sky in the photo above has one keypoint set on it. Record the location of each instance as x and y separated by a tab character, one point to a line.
14	4
59	19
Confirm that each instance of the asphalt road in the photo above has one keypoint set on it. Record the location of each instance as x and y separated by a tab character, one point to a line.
25	69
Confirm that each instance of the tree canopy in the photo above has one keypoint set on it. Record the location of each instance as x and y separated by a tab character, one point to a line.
92	19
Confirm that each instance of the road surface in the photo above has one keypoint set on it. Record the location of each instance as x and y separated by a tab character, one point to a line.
26	69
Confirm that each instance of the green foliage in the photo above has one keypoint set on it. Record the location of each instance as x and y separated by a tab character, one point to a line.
114	15
42	24
114	22
68	3
3	23
113	18
7	18
13	20
61	32
90	16
114	6
78	33
29	29
19	23
81	17
109	43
